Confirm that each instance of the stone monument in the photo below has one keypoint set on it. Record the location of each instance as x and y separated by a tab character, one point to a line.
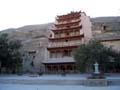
97	74
96	65
96	78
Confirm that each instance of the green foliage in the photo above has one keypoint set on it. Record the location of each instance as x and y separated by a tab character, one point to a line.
87	54
10	57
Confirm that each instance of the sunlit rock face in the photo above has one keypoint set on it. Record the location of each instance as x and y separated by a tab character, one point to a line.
107	30
34	39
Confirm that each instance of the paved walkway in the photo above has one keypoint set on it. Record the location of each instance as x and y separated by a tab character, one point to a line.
76	79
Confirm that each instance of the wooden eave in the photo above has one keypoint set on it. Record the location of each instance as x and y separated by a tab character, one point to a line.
68	38
62	48
67	29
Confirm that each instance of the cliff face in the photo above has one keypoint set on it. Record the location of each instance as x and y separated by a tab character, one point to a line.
113	23
34	39
106	19
107	30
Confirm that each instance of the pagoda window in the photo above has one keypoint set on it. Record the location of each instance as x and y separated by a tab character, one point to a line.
67	33
104	27
68	26
50	35
52	54
70	52
49	67
69	67
56	35
59	35
62	67
72	33
55	67
66	40
66	53
62	35
59	54
76	32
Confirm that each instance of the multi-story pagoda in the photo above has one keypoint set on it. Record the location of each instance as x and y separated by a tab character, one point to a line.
68	33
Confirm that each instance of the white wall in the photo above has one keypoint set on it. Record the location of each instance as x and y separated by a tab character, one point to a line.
86	27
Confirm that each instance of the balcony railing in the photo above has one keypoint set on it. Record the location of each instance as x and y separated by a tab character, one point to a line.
64	44
66	22
76	26
60	60
75	36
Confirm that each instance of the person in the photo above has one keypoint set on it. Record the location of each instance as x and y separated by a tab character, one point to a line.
63	73
40	73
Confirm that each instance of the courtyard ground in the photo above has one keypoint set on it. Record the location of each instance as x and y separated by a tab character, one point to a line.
54	87
32	86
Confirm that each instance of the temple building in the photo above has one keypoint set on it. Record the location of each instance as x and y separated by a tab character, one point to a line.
68	33
48	47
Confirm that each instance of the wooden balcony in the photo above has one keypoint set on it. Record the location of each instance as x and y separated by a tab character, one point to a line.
68	38
68	22
64	44
66	28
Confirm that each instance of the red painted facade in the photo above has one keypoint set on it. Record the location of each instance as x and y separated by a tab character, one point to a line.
66	33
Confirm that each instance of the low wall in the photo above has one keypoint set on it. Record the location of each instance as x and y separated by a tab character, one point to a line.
96	82
87	82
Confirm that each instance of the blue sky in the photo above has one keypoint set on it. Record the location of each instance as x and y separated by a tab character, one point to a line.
17	13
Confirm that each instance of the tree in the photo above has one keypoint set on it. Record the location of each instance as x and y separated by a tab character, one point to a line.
87	54
10	56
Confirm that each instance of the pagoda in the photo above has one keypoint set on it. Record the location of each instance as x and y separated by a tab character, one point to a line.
69	32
